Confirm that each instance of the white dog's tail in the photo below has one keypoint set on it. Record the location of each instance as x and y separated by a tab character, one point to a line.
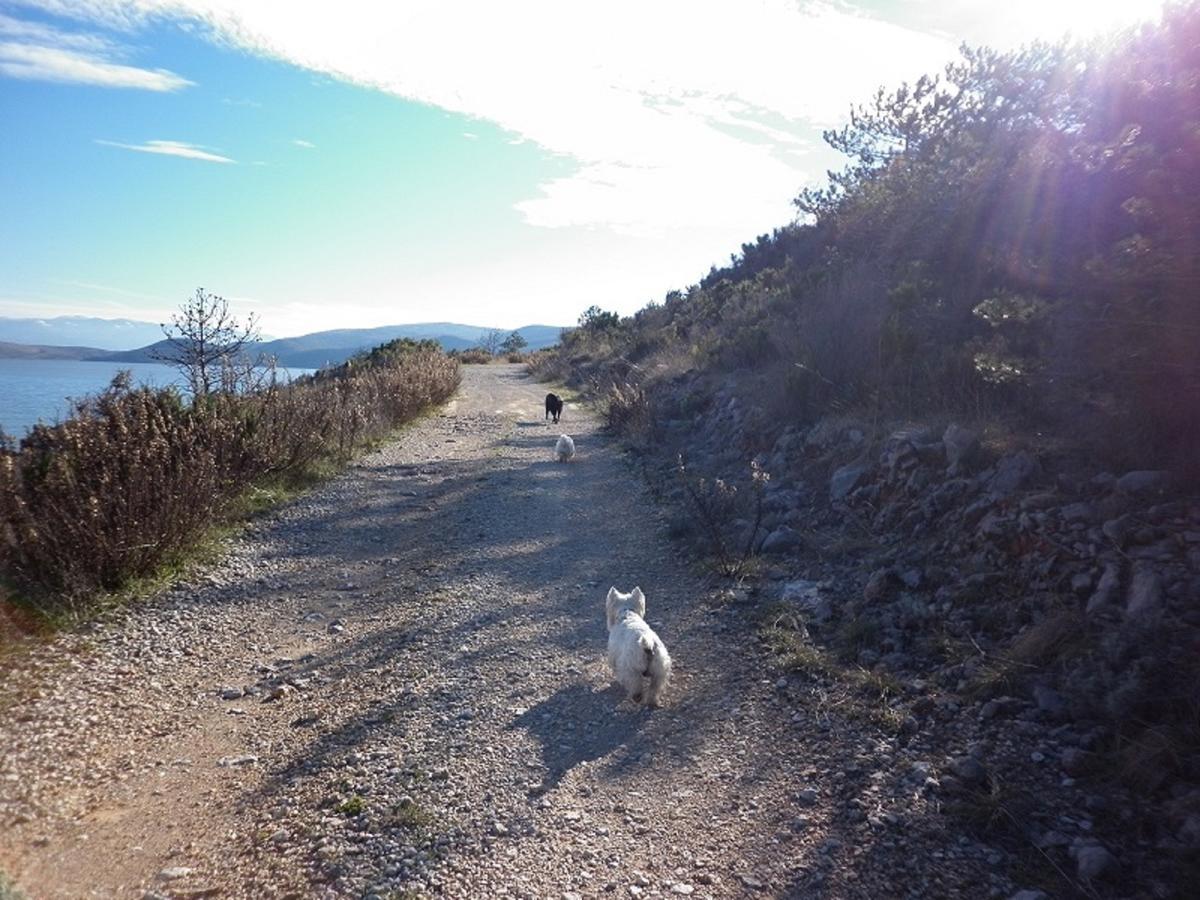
647	644
658	667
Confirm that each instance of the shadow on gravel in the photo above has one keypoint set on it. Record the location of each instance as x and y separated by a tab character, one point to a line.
600	728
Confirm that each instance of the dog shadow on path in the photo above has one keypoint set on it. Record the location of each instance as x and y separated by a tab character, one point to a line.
580	724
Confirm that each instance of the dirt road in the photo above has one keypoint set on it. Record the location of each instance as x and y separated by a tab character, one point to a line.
394	687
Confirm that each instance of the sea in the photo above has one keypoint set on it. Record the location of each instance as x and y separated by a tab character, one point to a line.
41	390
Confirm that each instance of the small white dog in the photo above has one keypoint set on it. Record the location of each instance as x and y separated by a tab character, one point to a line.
634	650
565	448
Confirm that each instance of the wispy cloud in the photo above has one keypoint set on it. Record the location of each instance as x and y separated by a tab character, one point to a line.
170	148
36	63
36	51
307	145
27	32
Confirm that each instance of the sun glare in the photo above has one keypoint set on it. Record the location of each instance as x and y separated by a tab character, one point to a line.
1050	19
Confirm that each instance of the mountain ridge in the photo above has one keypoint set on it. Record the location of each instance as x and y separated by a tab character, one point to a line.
308	351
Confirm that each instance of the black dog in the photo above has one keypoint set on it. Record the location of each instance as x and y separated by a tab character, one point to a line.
554	407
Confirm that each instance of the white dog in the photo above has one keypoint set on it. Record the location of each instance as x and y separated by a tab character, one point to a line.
565	448
634	650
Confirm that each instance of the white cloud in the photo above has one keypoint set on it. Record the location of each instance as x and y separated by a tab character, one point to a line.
35	63
308	145
27	32
36	51
170	148
679	113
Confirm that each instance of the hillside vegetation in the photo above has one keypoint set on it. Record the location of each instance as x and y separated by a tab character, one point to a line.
1018	236
136	475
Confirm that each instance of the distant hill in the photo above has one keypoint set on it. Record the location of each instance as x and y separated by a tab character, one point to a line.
79	331
9	350
450	335
308	351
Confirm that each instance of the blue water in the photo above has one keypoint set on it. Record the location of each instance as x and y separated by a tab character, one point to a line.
33	390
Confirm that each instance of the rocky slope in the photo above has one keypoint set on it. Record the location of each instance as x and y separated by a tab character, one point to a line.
1036	622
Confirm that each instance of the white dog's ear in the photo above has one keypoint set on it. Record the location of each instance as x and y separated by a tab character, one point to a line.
639	600
610	606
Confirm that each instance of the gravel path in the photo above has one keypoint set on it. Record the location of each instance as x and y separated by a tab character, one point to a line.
395	687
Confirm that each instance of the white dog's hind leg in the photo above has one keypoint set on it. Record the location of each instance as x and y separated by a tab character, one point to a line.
632	682
654	694
660	674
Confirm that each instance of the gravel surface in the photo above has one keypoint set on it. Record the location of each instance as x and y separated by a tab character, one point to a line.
395	687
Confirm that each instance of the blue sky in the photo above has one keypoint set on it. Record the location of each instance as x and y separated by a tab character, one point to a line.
360	163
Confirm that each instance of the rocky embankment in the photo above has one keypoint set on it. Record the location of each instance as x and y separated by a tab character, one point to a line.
1039	620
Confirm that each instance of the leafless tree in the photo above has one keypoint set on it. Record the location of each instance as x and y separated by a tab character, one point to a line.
207	342
491	341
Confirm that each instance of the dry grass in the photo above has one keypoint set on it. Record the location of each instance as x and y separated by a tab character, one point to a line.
626	410
410	816
475	357
1059	635
863	695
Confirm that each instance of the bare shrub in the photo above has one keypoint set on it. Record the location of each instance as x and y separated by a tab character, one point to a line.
491	342
718	505
475	356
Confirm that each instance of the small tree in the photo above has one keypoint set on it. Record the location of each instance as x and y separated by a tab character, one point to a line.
596	319
514	343
490	341
206	341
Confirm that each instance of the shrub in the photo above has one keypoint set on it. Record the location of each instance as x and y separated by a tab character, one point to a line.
626	409
475	356
136	474
352	806
545	365
718	506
